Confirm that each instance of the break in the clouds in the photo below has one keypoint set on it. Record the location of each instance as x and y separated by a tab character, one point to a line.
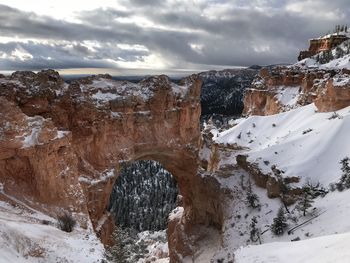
160	34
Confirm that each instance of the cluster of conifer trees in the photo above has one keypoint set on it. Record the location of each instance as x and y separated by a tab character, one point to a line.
143	196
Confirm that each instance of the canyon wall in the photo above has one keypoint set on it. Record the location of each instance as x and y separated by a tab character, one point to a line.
284	88
61	145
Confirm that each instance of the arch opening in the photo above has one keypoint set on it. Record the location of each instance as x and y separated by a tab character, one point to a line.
142	198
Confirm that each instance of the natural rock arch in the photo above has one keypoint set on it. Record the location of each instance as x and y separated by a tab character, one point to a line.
63	143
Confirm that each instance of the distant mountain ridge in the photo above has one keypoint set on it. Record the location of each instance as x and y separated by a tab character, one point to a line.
222	91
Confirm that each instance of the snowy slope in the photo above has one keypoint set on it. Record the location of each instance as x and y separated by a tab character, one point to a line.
237	229
303	143
25	238
332	249
300	142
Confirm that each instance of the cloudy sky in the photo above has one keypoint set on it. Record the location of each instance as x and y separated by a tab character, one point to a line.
128	36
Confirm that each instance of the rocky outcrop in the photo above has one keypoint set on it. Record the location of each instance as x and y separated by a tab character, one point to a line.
274	183
267	95
209	211
37	162
335	95
61	145
326	43
284	88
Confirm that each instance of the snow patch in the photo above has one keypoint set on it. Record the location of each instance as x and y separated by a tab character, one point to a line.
105	175
341	81
288	96
104	96
176	213
32	138
180	90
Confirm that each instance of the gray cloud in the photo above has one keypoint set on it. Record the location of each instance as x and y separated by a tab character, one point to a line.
151	3
184	34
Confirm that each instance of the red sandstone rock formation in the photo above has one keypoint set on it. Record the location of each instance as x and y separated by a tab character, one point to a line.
326	43
60	144
285	88
335	95
262	97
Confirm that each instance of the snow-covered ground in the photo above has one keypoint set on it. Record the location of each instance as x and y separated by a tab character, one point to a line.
332	249
30	237
302	143
157	246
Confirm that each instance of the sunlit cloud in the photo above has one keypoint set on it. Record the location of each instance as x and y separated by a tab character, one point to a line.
160	35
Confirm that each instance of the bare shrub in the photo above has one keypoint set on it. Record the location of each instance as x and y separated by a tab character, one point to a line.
66	222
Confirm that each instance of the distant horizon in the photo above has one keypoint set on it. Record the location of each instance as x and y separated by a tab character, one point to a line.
126	72
137	72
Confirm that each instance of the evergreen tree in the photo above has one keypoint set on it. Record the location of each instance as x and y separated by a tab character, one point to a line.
254	231
315	190
143	196
337	28
323	58
283	185
305	202
338	52
279	223
118	250
317	57
126	247
252	198
345	168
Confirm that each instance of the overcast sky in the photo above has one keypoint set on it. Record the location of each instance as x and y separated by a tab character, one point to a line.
159	35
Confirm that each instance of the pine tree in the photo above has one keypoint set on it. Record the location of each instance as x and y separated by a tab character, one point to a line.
345	168
338	52
127	247
254	231
118	250
337	28
283	185
252	198
279	223
305	202
317	57
140	195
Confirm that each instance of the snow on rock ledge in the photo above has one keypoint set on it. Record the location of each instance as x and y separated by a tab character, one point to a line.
284	88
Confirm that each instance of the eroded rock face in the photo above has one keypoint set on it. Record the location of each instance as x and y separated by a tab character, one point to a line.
285	88
335	95
326	43
60	144
37	162
267	94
